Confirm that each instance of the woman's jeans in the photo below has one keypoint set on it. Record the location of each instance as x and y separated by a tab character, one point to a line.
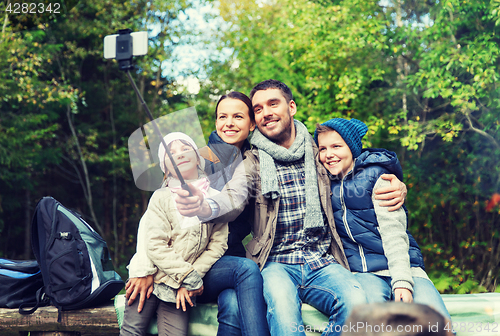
236	284
378	289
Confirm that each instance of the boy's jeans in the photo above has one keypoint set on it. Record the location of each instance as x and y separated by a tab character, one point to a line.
424	292
332	289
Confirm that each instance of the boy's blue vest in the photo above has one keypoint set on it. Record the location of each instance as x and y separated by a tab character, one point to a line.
361	240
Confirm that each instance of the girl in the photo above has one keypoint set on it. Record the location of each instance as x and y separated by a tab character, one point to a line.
181	249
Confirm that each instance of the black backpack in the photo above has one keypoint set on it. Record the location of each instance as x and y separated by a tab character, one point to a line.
75	263
19	282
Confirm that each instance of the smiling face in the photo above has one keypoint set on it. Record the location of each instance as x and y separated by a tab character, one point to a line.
233	122
334	153
186	159
273	116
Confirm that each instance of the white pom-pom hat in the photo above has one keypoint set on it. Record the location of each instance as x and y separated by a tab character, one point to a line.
171	137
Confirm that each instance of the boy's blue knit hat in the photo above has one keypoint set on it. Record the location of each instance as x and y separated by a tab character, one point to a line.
352	131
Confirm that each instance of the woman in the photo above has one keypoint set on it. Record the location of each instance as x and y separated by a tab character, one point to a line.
233	274
234	122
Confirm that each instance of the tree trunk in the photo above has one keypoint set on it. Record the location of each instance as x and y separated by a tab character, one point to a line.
123	234
113	129
87	189
402	72
115	187
27	224
107	214
6	19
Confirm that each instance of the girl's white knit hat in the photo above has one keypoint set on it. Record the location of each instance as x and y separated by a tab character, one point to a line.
171	137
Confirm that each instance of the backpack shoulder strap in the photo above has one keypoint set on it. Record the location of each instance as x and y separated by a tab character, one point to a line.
41	300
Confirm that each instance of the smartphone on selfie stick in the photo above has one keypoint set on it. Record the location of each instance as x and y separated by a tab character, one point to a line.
124	46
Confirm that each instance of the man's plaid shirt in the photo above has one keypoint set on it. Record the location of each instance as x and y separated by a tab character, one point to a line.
292	244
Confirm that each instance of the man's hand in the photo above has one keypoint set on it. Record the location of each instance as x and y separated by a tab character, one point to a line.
403	294
142	286
394	195
190	206
182	297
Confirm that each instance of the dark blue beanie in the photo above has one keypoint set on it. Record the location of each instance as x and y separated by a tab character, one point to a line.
350	130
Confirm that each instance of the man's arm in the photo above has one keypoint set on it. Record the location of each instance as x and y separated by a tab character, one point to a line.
195	205
393	195
230	202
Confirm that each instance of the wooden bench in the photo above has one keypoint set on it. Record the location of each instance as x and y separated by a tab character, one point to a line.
472	310
99	321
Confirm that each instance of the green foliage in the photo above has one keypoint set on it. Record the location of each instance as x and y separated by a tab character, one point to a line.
446	200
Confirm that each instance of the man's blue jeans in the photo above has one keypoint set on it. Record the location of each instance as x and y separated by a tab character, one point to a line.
236	282
332	289
379	290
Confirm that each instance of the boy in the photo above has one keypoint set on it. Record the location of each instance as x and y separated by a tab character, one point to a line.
387	260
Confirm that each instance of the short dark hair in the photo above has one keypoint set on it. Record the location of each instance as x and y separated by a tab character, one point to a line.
273	84
239	96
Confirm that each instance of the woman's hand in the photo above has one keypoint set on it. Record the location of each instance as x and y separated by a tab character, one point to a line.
182	297
394	195
142	286
403	294
196	292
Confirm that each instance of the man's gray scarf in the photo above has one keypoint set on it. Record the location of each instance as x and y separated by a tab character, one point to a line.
301	147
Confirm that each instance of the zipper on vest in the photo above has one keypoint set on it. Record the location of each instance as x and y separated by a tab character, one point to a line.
346	225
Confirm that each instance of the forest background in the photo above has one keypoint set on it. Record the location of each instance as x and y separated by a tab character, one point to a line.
422	74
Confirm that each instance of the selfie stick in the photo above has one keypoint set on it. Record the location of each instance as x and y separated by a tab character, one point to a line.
125	62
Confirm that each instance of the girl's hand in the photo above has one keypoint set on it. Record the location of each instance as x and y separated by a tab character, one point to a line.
403	294
182	297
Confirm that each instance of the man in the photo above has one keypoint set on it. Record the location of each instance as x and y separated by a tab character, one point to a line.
295	242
